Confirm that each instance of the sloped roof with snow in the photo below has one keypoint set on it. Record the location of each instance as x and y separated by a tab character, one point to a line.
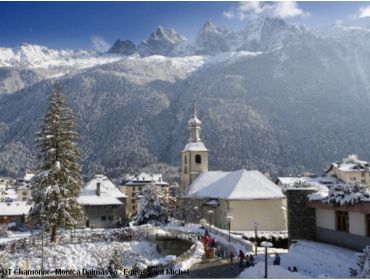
237	185
351	164
109	193
144	178
322	183
15	208
195	147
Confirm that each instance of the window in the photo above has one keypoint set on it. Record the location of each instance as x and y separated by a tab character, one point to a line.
133	201
198	159
103	218
110	218
185	159
363	173
342	221
24	192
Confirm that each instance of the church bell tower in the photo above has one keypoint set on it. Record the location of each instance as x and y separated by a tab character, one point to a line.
195	154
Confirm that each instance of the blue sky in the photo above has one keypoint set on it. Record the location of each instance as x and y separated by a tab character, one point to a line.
98	24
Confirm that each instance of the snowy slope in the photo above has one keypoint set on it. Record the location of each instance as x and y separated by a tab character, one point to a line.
312	259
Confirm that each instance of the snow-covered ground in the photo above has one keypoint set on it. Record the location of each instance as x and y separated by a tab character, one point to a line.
312	259
14	235
90	255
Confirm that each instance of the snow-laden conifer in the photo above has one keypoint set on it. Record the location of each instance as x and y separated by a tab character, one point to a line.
58	184
151	209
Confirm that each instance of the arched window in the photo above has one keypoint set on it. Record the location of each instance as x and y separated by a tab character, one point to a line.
185	159
198	159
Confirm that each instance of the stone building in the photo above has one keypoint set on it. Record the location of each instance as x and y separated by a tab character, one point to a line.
103	203
241	199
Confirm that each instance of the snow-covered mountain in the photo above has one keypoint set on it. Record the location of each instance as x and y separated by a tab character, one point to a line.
35	56
276	97
161	42
123	47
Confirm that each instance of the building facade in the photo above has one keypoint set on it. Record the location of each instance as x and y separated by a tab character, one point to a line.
132	186
103	204
347	225
351	170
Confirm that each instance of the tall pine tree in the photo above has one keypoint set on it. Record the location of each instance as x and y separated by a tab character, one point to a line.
58	184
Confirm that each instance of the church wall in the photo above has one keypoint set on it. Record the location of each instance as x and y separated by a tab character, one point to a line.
269	214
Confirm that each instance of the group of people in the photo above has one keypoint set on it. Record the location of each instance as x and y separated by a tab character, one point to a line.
249	259
211	247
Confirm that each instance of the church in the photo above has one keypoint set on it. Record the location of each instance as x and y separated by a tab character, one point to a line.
241	200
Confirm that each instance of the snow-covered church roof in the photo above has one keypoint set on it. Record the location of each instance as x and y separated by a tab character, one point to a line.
237	185
195	147
109	193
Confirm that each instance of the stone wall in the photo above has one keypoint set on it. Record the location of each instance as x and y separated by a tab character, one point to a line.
301	218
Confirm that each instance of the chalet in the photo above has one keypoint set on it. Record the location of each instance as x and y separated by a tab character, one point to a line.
103	203
15	211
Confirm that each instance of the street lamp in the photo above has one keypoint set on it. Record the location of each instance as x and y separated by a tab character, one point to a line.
266	245
255	224
195	219
210	212
229	218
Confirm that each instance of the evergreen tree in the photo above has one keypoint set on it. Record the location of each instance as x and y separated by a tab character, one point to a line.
151	209
58	185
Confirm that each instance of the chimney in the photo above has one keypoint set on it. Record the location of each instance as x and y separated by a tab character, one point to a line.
98	188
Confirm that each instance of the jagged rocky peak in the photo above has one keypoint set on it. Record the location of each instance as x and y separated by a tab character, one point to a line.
167	34
124	47
210	27
212	39
161	42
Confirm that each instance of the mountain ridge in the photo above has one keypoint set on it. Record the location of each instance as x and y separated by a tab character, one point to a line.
285	102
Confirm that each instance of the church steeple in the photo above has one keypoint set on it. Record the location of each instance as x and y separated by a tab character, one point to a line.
194	126
195	154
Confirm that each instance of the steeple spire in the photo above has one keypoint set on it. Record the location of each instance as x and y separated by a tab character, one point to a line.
194	126
194	110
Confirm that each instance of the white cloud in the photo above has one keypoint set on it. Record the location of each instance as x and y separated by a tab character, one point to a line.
364	12
228	14
288	10
99	43
276	9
